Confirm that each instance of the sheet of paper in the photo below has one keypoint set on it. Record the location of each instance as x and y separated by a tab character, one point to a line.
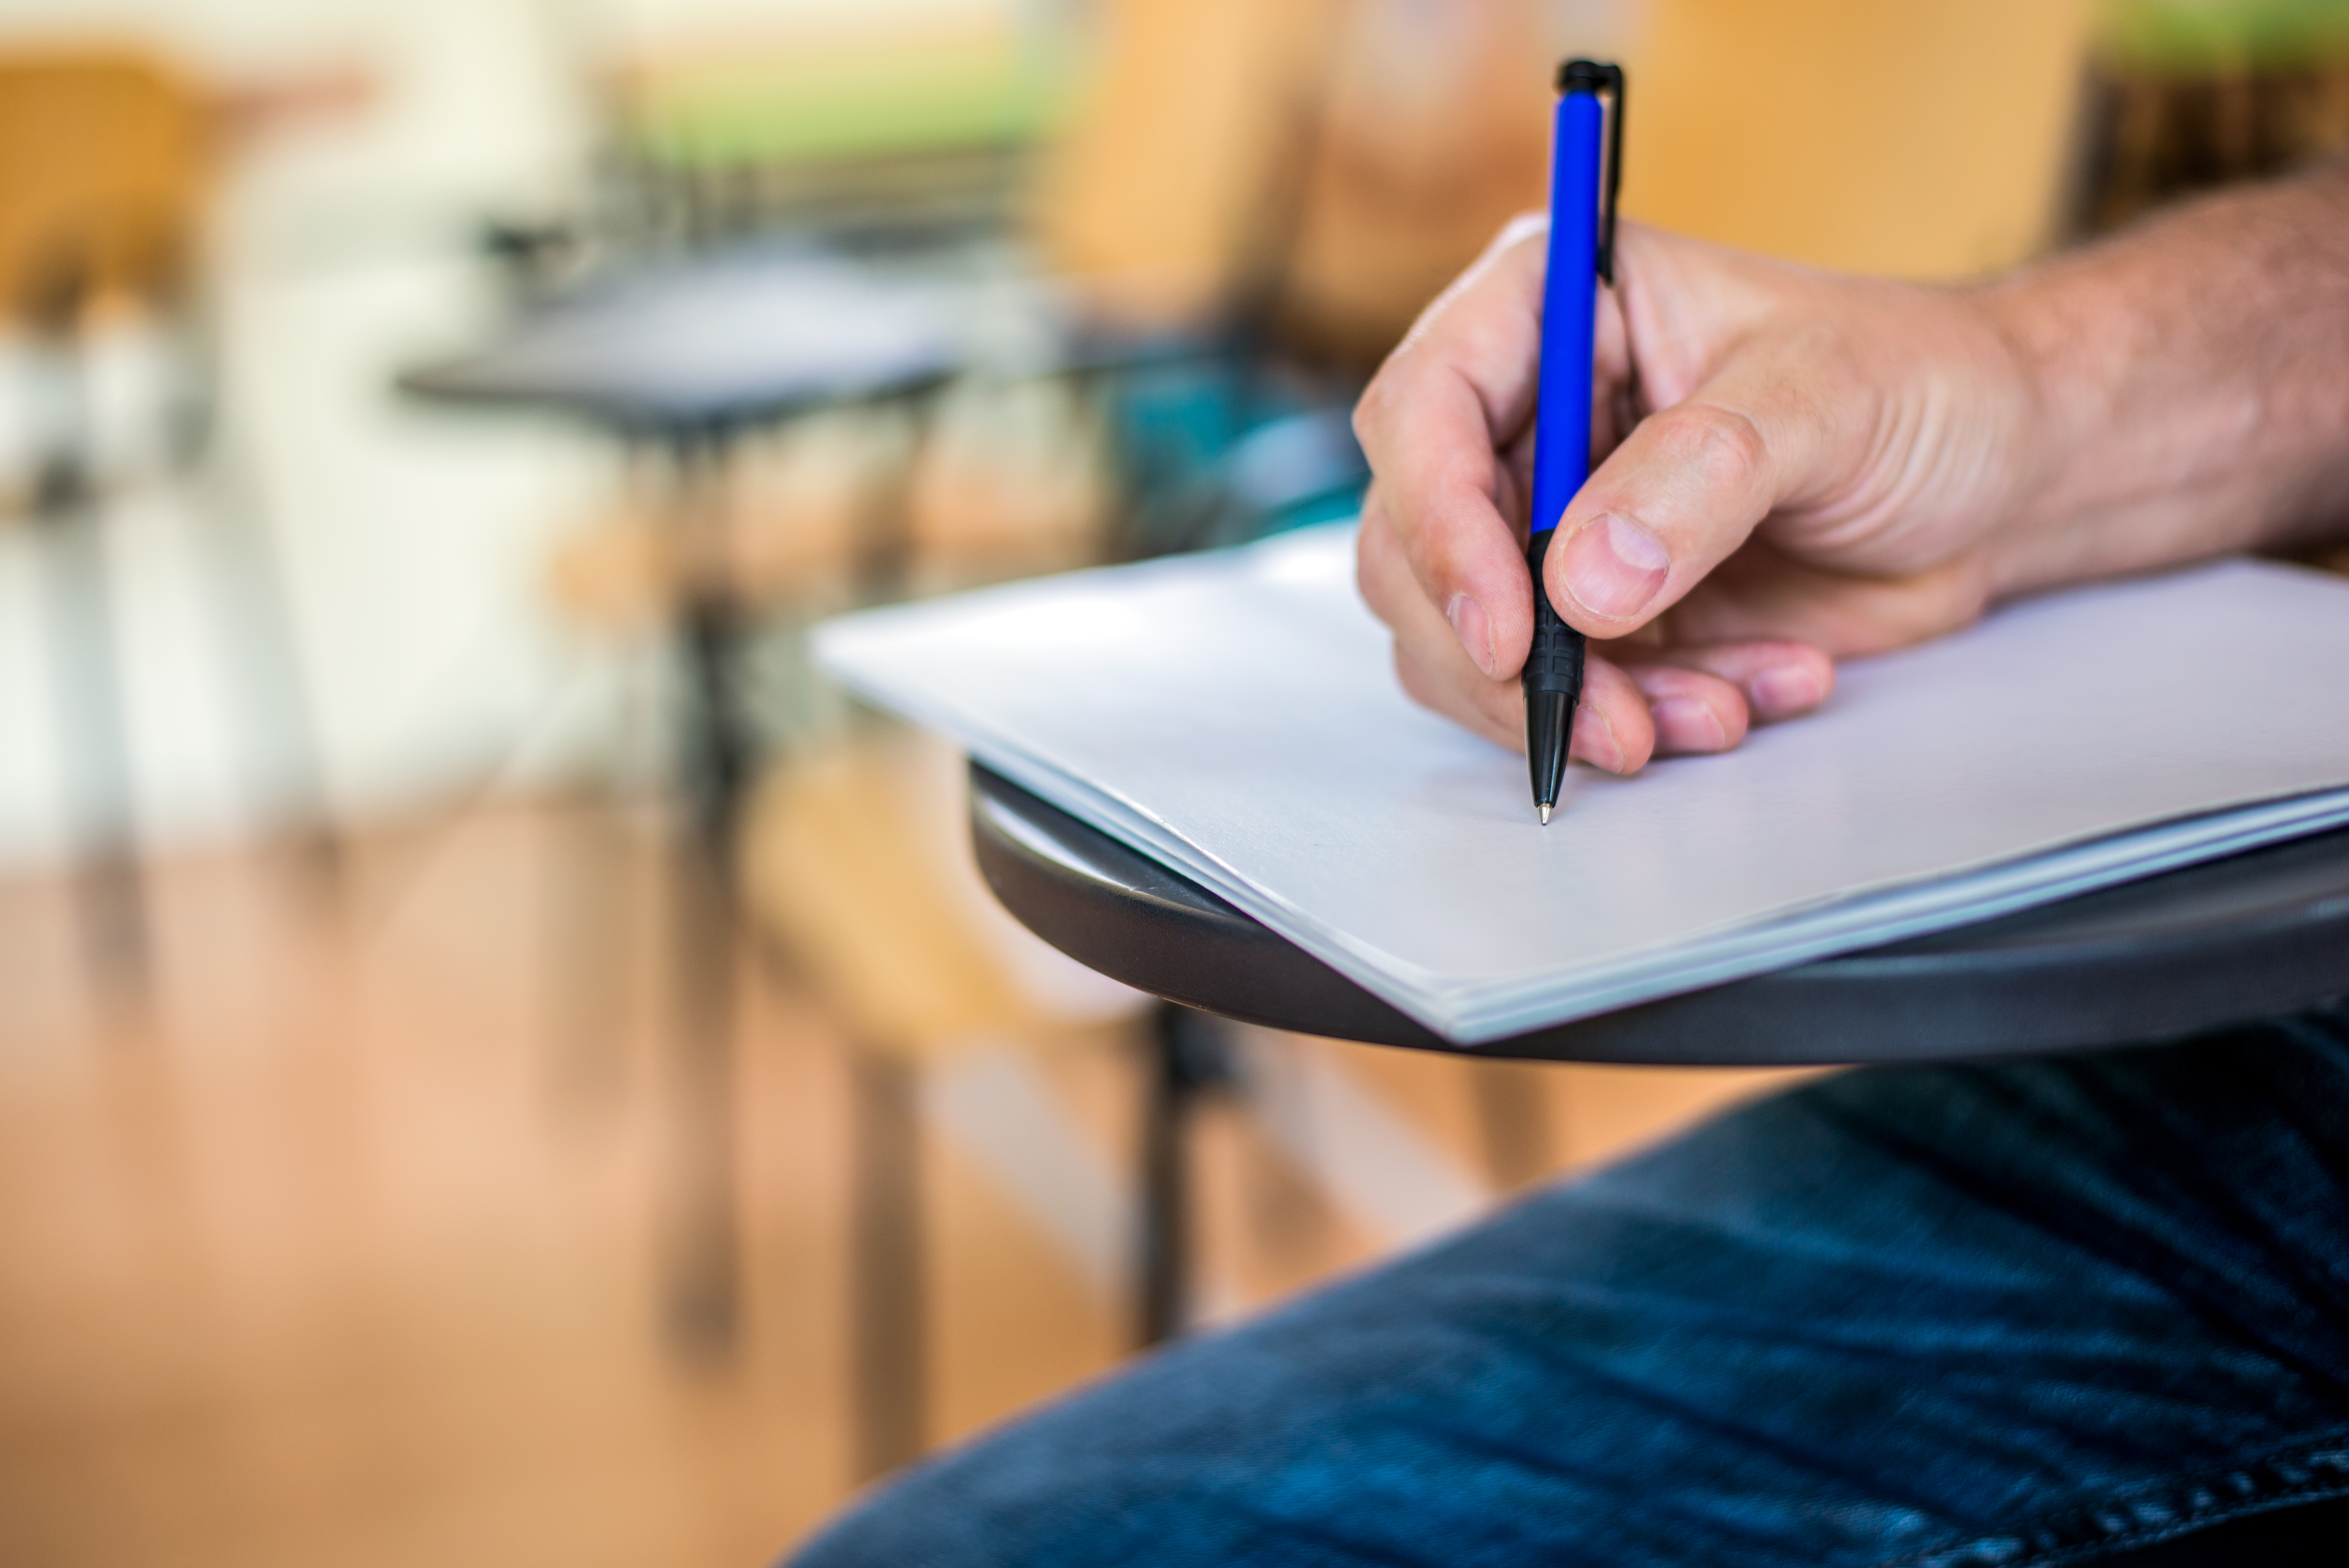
1236	716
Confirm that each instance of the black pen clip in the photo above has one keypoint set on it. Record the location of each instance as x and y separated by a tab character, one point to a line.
1595	77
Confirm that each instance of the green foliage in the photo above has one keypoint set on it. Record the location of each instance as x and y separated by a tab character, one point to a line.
2207	37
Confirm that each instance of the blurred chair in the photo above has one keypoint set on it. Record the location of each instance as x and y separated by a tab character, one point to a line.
103	167
1171	281
1311	174
724	352
1433	132
1933	139
854	867
102	177
1171	208
1168	197
100	171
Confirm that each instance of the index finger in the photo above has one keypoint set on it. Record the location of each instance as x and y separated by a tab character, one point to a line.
1433	424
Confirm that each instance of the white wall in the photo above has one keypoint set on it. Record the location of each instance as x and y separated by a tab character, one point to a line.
411	543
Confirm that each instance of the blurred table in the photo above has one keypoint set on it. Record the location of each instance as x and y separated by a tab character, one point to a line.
712	345
682	359
685	357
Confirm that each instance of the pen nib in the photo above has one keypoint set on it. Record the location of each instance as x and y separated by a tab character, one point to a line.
1545	812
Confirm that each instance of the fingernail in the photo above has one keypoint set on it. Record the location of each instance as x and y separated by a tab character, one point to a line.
1788	689
1474	630
1614	567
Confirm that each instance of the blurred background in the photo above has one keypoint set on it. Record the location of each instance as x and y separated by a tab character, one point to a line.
497	1060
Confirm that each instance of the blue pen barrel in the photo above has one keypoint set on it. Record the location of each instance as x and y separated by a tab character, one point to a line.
1570	309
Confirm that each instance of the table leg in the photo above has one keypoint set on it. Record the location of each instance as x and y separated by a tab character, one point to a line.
881	564
701	1305
719	755
1514	1121
89	688
1187	1057
888	1279
716	758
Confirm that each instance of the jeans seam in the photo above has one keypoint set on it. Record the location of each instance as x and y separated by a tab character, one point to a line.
2125	1542
1998	1547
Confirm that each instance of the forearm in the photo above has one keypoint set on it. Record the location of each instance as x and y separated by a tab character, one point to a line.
2192	382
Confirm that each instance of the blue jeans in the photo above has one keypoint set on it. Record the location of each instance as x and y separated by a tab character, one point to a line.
2042	1312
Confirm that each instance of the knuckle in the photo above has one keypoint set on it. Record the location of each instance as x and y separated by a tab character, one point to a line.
1423	545
1469	709
1413	679
1381	418
1501	705
1722	445
1374	577
1372	403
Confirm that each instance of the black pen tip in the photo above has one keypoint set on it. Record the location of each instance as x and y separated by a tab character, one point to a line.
1549	726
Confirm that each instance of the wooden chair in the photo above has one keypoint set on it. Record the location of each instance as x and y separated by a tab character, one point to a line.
106	157
1933	139
855	868
102	172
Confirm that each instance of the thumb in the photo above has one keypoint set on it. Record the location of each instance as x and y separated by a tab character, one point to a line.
1683	491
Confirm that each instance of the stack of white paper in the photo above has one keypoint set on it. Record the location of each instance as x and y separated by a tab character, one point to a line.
1237	716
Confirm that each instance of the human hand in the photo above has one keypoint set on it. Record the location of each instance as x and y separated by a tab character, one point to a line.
1797	466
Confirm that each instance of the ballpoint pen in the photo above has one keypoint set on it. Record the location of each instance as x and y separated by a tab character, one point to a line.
1581	251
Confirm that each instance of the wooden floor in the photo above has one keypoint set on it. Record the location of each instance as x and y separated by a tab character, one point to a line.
372	1231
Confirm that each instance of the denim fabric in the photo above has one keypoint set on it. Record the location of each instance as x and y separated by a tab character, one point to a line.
1941	1317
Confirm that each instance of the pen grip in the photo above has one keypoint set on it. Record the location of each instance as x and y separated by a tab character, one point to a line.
1555	664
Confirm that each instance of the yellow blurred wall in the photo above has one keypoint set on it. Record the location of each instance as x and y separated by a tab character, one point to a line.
1163	174
1914	138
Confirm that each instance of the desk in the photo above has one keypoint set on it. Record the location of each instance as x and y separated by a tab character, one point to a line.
682	359
2261	933
685	357
715	343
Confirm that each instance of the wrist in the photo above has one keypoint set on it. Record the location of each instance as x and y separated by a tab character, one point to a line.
2186	385
2039	373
